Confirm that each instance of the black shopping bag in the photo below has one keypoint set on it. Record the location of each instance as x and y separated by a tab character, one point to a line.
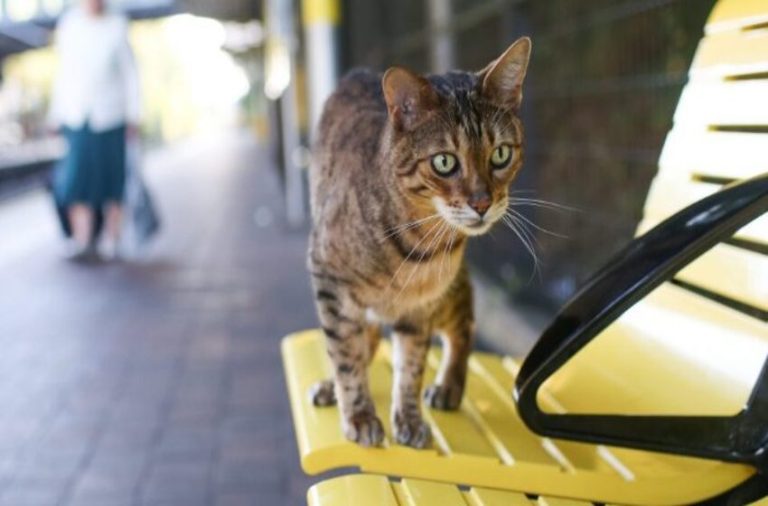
142	221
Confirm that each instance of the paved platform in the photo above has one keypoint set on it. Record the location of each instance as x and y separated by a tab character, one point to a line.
158	382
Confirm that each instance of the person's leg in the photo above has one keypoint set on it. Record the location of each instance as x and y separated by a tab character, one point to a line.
81	220
114	221
113	226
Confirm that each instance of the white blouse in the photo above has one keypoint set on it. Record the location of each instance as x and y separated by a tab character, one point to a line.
97	79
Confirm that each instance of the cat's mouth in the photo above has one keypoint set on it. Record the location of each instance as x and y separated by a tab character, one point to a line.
466	219
477	227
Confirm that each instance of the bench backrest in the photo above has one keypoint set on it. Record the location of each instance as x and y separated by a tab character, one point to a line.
696	345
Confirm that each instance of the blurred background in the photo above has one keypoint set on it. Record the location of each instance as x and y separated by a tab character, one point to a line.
157	381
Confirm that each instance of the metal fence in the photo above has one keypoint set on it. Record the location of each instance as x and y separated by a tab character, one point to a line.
602	88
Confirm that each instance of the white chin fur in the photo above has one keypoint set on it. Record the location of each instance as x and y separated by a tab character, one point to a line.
479	230
465	219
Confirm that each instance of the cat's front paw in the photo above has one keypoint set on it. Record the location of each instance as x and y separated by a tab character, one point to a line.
444	397
364	429
322	393
411	431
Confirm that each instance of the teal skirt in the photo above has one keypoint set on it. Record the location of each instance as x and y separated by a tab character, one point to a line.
93	170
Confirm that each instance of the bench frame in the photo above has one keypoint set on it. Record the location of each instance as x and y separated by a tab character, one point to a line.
643	265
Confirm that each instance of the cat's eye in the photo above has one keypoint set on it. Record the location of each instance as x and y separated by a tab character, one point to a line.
444	164
501	156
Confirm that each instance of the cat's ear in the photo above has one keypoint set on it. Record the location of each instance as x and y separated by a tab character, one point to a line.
409	97
502	80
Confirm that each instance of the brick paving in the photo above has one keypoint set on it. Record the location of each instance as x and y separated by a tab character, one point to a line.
158	382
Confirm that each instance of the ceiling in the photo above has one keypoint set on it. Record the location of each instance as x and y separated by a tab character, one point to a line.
238	10
17	36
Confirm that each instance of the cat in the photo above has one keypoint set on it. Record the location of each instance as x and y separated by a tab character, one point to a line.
404	170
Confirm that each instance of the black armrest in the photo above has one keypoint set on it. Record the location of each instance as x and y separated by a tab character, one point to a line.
643	265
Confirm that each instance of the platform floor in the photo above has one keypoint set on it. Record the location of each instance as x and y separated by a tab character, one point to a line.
160	382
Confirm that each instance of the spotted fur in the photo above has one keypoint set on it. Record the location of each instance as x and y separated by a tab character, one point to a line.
389	231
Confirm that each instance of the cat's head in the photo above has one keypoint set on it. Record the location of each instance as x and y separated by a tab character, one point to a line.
456	142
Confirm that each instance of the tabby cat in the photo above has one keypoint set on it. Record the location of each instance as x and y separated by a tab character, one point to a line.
404	170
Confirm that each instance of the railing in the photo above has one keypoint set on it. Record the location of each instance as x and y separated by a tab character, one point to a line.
29	154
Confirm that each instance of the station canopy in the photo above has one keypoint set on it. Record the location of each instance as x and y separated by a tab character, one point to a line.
26	24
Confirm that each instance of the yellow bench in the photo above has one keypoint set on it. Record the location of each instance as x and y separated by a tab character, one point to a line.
643	413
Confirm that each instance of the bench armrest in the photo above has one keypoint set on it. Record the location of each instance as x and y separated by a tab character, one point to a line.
643	265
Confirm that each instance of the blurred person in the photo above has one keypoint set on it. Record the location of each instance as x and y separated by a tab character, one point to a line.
96	105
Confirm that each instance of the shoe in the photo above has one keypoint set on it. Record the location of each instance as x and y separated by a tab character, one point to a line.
110	252
84	255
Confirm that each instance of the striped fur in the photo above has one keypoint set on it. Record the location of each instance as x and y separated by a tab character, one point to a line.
389	233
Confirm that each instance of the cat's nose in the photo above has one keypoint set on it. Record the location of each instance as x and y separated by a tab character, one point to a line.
480	202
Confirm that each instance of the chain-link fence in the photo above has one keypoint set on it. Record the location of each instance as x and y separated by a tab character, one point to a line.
603	84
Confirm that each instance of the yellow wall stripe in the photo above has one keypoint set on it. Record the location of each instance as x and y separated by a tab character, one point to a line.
320	11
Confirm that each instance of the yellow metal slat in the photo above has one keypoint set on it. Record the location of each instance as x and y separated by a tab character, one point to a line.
570	456
365	490
554	501
673	353
731	53
353	490
669	195
717	103
460	434
489	497
489	390
658	479
735	14
733	272
419	492
734	155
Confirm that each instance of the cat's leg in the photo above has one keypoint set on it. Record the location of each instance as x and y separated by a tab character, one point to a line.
410	345
373	337
323	392
456	325
348	350
344	327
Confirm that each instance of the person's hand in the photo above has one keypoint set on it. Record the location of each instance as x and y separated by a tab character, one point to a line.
51	130
132	131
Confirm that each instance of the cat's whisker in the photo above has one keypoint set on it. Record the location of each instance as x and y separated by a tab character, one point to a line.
442	260
526	231
532	238
437	241
428	248
415	247
522	217
446	249
448	252
537	206
545	204
525	240
414	223
535	245
407	226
